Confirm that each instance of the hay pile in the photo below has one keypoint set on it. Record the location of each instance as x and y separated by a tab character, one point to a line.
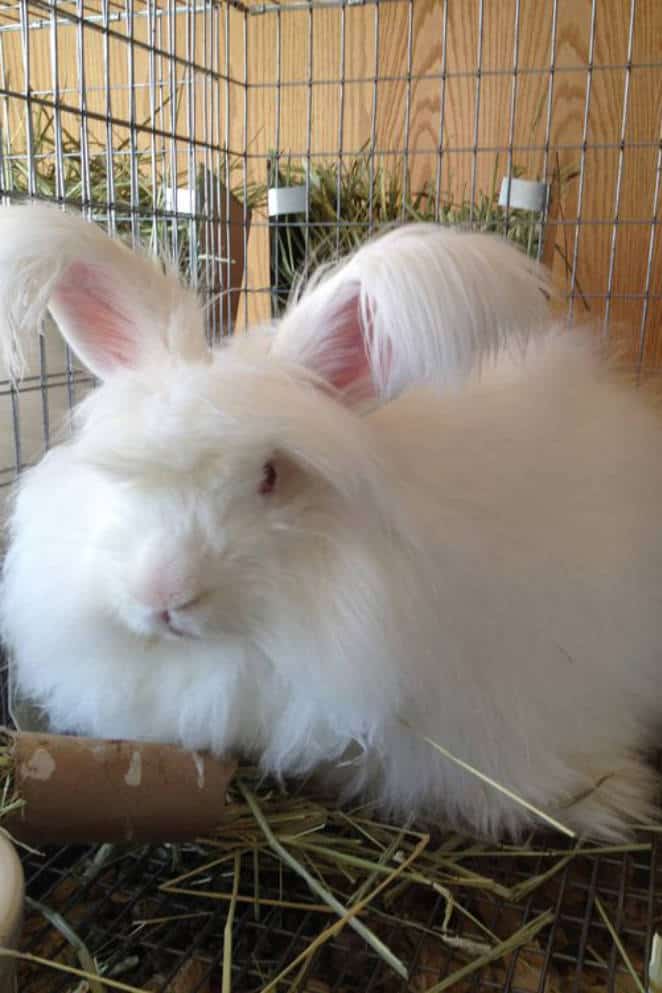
292	893
350	198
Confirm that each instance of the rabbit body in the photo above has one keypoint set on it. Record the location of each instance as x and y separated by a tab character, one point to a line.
276	550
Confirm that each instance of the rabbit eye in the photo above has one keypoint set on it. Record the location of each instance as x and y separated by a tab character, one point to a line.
269	476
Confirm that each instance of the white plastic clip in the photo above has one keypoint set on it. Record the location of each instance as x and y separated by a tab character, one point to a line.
287	200
525	194
181	200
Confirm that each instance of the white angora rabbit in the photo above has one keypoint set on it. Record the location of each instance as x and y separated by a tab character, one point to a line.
411	509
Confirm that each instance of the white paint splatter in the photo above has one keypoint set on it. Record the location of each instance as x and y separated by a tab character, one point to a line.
135	771
199	764
41	765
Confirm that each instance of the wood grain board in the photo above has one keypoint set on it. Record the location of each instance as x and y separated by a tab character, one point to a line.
279	85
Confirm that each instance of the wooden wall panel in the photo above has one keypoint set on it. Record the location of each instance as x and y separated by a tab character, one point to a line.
264	114
600	160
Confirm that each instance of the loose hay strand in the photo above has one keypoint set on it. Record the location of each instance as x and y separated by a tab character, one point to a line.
226	984
345	915
349	916
497	786
511	944
619	944
113	984
262	901
84	957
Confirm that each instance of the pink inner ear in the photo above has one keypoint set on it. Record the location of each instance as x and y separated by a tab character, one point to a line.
88	306
343	359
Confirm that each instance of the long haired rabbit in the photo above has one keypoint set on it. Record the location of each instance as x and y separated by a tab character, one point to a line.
412	509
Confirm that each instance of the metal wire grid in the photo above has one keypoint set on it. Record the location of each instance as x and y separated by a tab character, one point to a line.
187	66
165	58
108	910
612	218
108	900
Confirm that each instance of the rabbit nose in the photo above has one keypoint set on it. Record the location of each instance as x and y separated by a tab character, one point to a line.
159	595
166	614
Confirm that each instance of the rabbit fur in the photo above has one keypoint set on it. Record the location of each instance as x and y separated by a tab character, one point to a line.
413	508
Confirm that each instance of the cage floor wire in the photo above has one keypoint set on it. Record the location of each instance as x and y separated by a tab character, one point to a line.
226	913
145	935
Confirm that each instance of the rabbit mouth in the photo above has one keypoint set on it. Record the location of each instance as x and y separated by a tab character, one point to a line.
170	627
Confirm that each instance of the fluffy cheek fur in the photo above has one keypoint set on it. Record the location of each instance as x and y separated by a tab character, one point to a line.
284	659
298	577
222	566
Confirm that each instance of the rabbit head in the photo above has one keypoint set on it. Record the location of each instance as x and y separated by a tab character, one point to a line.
224	480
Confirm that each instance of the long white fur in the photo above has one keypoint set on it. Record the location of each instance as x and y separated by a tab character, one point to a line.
37	245
483	561
440	304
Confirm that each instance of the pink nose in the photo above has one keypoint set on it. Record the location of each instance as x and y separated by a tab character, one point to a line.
166	615
161	597
163	583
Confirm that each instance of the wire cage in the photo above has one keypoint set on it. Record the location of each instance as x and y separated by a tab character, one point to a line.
250	141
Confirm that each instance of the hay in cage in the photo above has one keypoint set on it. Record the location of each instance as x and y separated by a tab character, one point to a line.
350	200
140	197
293	893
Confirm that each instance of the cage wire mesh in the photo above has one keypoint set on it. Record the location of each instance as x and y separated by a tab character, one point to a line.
249	141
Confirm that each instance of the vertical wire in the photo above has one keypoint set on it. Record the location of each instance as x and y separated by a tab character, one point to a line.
152	85
217	195
227	295
619	919
60	184
194	192
86	186
212	264
407	121
86	193
27	96
274	230
209	240
60	181
309	135
6	183
134	189
172	139
479	75
245	176
373	126
442	108
162	151
548	123
110	163
619	172
341	128
60	191
582	164
513	110
650	257
31	185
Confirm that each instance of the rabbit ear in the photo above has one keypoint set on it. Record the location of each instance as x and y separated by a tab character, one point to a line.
114	307
330	335
422	303
98	322
328	331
